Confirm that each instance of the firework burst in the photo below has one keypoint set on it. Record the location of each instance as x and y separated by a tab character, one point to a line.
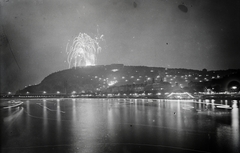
83	51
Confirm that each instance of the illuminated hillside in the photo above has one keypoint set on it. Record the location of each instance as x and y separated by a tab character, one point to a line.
102	77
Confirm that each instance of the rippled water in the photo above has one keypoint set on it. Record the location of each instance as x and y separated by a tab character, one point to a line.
119	125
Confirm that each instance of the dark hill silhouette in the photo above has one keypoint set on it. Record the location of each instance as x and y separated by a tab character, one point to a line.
98	78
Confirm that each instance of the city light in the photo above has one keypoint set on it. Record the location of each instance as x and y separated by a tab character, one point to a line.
111	83
115	70
74	92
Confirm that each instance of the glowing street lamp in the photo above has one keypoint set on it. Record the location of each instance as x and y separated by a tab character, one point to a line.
74	92
44	92
58	92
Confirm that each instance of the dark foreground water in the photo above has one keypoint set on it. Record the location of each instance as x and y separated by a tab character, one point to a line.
118	125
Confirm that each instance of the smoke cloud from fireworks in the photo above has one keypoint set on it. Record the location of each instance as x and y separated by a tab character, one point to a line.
83	51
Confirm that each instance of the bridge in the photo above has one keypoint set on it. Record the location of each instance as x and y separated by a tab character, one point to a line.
180	95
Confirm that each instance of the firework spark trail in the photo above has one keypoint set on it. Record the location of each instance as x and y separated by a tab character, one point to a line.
83	51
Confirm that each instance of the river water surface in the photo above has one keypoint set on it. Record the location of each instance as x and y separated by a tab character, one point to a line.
119	125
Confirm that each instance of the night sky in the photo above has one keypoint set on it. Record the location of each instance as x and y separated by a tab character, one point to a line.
193	34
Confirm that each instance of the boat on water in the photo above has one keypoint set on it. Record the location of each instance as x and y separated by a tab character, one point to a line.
223	107
11	104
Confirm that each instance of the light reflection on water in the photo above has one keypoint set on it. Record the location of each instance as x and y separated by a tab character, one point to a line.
59	122
235	125
45	120
28	118
74	110
100	125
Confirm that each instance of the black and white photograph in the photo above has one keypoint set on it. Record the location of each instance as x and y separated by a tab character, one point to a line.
120	76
